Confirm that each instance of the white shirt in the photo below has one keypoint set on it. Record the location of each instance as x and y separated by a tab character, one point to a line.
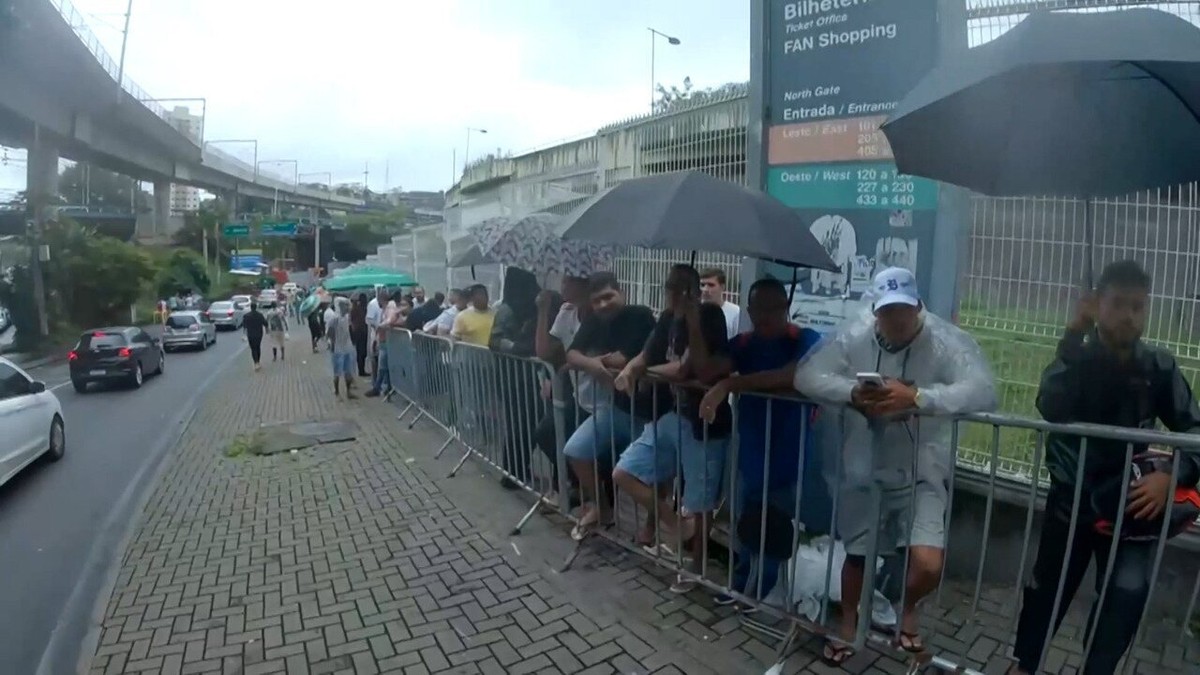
374	313
374	318
444	323
566	324
329	315
733	317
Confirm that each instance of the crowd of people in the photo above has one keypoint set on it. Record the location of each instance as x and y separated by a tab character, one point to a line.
649	401
650	410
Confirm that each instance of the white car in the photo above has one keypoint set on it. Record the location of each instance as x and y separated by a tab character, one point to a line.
268	296
31	421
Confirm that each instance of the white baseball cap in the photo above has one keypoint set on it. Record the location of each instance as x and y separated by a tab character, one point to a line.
893	286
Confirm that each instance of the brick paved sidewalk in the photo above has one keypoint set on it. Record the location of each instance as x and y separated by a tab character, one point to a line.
361	557
347	558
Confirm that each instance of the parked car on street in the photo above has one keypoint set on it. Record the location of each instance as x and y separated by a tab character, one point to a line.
31	421
125	354
188	329
268	295
227	314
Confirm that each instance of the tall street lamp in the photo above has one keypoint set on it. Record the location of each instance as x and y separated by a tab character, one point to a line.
317	220
295	180
251	141
467	154
654	35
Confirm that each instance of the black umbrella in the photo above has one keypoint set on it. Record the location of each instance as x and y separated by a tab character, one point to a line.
693	211
1083	105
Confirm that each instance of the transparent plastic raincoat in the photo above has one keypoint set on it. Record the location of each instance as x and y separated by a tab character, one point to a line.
942	362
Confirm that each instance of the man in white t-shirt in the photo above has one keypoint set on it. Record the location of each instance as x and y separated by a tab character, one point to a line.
712	290
444	323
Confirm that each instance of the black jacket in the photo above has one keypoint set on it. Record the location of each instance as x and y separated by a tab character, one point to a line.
1086	383
515	325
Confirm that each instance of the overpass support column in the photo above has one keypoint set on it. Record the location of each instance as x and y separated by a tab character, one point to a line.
41	180
162	207
41	195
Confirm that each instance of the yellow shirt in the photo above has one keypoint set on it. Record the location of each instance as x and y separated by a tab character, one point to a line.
473	326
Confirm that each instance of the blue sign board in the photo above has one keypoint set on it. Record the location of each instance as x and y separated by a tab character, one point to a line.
249	261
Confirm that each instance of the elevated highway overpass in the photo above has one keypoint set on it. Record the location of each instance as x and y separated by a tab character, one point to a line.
59	98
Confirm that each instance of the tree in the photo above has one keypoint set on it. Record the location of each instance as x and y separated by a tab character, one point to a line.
85	184
367	231
92	279
676	98
183	271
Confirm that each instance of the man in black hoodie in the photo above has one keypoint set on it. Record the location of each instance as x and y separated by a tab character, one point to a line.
1103	374
514	333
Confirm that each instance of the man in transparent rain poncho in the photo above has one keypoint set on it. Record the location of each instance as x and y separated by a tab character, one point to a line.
884	365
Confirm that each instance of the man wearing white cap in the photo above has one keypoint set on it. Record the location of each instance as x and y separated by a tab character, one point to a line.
890	377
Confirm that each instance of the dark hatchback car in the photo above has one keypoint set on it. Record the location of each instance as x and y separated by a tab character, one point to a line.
118	354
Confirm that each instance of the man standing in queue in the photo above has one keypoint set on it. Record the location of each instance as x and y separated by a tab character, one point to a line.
1103	373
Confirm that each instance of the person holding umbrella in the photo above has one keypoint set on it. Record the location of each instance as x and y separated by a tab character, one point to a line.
689	344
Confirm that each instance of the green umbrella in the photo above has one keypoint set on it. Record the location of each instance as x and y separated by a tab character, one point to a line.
362	280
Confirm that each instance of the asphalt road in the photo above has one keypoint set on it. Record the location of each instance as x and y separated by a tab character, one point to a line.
61	525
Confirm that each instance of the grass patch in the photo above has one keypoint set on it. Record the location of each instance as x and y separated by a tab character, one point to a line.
1018	345
251	444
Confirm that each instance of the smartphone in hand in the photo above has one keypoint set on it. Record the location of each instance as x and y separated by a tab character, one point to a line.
869	380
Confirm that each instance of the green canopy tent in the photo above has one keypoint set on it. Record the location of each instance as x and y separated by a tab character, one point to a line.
360	280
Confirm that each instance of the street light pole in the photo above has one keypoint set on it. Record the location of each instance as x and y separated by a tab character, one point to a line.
124	43
654	35
296	181
252	141
467	154
317	221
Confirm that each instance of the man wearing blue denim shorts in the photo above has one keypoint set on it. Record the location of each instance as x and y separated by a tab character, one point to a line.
609	336
341	347
689	345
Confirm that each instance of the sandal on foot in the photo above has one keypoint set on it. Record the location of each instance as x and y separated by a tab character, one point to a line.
834	654
911	642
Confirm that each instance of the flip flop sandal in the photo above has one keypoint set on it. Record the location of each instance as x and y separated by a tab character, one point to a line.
834	655
911	642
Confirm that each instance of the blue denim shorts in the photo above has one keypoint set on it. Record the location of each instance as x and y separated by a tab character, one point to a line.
703	462
603	435
343	364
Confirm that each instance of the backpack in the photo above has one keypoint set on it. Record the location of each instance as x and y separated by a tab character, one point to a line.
1185	507
275	321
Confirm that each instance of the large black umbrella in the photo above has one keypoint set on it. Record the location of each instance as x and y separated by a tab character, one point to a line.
1088	105
1083	105
693	211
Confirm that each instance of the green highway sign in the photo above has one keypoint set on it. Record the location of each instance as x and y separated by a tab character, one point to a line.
279	229
235	230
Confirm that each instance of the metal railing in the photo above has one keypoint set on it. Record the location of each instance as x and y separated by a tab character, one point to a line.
493	405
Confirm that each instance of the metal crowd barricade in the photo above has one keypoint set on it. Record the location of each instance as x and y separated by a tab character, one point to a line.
491	403
401	366
782	514
502	416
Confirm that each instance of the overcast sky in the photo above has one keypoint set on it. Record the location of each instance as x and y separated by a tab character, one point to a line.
341	84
